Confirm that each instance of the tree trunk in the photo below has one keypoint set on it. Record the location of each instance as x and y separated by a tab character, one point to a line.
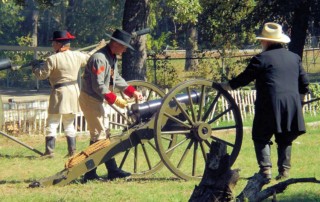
135	17
299	27
191	48
35	19
218	180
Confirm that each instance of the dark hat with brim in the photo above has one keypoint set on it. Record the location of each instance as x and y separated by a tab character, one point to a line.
62	36
121	37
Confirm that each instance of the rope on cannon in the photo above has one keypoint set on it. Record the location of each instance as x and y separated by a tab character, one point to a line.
79	157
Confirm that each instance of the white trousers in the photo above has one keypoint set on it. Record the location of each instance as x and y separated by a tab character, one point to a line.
53	122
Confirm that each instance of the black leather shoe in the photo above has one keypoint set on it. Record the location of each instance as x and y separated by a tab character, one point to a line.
91	177
117	174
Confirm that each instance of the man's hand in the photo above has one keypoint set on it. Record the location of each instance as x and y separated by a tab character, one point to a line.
137	95
226	86
120	102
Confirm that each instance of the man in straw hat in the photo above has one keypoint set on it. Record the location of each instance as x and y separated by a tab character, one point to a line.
100	80
280	83
62	70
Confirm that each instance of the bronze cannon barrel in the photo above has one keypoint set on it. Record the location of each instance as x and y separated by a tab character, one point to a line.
147	109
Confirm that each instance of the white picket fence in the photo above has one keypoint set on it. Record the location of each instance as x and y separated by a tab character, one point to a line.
30	117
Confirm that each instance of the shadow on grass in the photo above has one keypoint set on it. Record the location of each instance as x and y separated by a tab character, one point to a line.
7	156
15	181
129	179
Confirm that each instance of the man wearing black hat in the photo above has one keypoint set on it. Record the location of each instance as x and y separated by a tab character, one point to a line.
62	70
99	81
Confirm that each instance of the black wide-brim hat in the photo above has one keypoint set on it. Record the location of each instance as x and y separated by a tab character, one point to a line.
122	37
62	36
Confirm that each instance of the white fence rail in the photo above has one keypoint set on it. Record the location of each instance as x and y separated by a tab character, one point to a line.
29	117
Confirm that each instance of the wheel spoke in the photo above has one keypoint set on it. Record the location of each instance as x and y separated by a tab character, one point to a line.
175	132
153	146
223	141
195	158
207	143
176	145
135	162
191	105
201	102
124	158
146	156
220	115
186	115
177	120
185	153
224	128
203	149
149	95
206	115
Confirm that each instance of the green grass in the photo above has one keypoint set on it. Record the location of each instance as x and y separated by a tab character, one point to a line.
20	166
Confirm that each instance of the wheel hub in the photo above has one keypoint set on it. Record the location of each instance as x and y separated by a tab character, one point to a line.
202	131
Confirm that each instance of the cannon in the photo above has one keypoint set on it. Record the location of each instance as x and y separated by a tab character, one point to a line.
174	130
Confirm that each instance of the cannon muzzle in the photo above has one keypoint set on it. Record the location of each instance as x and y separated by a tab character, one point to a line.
5	64
148	109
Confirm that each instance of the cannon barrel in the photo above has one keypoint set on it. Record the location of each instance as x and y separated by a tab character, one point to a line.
148	109
5	64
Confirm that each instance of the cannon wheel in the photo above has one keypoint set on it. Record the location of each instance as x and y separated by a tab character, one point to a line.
143	159
215	117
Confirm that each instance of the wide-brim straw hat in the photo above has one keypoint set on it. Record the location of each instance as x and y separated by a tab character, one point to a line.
273	32
122	37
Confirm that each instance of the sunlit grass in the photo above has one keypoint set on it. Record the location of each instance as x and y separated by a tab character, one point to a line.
20	166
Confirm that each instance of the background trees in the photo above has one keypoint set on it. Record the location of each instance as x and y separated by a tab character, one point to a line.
224	26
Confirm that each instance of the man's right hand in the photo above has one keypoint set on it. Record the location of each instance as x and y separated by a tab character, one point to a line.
122	103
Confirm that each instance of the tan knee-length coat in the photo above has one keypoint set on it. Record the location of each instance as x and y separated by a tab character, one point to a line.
63	67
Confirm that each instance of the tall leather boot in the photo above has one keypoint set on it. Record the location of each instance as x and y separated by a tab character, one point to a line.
284	161
263	158
113	170
71	141
92	174
50	145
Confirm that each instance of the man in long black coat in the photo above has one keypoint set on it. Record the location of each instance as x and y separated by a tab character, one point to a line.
280	83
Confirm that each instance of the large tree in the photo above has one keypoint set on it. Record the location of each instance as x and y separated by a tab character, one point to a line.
136	13
294	15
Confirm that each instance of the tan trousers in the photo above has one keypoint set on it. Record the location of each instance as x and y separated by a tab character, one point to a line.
93	112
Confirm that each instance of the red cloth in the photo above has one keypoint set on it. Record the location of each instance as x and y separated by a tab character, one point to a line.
129	91
110	97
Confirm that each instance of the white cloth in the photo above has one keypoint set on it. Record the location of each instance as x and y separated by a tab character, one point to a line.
53	122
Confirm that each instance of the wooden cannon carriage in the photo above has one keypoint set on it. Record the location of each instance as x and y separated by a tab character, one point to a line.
174	129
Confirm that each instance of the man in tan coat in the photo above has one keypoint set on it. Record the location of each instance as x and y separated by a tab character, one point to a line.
62	70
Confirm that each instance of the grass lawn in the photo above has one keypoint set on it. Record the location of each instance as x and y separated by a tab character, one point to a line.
20	166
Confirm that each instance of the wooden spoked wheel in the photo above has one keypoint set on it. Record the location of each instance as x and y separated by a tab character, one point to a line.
143	159
210	114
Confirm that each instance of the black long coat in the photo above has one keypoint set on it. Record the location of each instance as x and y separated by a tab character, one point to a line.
280	79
